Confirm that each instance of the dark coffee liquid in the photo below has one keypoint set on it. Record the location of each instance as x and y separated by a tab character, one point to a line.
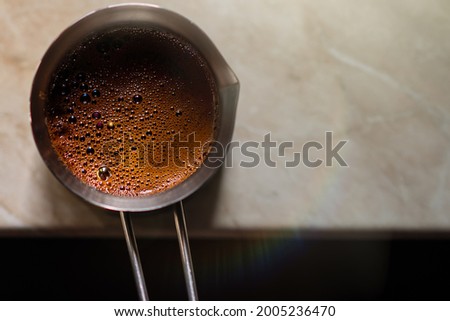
132	111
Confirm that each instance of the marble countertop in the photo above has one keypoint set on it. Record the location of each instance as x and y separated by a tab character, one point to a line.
374	73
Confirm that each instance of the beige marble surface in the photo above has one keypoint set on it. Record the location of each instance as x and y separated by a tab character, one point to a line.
374	72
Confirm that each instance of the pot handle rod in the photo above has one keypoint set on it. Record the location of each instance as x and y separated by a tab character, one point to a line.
186	258
134	255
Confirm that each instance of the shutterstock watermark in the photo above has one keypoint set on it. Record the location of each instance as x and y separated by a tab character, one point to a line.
274	153
188	151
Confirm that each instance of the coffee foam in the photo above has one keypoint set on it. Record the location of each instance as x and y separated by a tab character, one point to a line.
123	101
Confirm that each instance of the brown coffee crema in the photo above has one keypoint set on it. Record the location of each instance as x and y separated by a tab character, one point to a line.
132	111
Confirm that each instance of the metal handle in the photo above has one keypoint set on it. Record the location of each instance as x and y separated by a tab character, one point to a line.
134	255
183	240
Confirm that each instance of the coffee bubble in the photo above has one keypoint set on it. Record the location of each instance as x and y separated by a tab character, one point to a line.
85	98
104	173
